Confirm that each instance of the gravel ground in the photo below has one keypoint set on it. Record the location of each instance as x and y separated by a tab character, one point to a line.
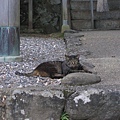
34	51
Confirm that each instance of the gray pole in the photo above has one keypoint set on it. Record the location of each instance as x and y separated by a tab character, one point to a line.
65	25
92	14
9	30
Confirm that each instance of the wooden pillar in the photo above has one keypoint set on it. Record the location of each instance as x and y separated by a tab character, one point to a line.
65	15
92	14
9	30
30	15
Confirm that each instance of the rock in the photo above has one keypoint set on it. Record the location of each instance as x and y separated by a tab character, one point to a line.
76	79
73	43
47	15
86	64
94	103
36	104
55	2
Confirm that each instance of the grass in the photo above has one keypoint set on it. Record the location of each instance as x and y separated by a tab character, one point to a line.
52	35
64	116
57	35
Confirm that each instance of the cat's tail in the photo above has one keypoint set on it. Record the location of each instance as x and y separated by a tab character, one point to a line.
24	74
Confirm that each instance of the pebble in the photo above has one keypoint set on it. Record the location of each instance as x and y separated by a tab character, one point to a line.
34	51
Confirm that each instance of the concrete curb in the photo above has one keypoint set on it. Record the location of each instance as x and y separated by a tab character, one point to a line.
11	59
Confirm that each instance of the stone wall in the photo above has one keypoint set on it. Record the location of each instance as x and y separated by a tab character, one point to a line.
46	15
48	103
81	15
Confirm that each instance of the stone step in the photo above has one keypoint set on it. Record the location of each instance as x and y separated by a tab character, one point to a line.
85	4
98	24
108	69
86	15
81	5
81	15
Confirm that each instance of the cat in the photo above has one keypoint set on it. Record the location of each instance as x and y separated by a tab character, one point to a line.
57	69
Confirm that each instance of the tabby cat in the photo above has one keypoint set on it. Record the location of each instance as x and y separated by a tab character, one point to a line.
56	69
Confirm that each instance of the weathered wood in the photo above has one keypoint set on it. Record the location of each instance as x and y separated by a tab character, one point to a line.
4	41
81	24
9	30
81	14
14	42
69	13
82	5
9	12
1	44
4	13
65	25
14	13
92	14
30	14
9	41
102	6
86	15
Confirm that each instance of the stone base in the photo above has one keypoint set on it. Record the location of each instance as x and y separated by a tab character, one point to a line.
11	59
64	28
9	41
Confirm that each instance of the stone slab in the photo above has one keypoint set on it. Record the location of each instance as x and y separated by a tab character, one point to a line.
77	79
81	24
94	103
107	24
11	59
81	5
108	69
101	44
99	24
48	103
86	15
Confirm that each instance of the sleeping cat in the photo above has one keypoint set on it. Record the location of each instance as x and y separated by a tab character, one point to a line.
56	69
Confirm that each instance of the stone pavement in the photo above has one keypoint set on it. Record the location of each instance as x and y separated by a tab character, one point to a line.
104	48
100	101
102	44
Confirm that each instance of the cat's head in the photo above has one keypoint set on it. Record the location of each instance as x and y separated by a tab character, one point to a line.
72	61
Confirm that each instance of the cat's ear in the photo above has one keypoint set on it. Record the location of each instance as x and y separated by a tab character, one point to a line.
78	56
66	57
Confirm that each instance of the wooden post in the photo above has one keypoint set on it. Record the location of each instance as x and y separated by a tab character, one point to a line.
69	13
30	15
65	25
9	30
92	14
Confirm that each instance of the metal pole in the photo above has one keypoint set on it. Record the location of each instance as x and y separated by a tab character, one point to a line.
92	14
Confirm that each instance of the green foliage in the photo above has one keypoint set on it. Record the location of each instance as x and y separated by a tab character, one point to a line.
64	116
57	35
